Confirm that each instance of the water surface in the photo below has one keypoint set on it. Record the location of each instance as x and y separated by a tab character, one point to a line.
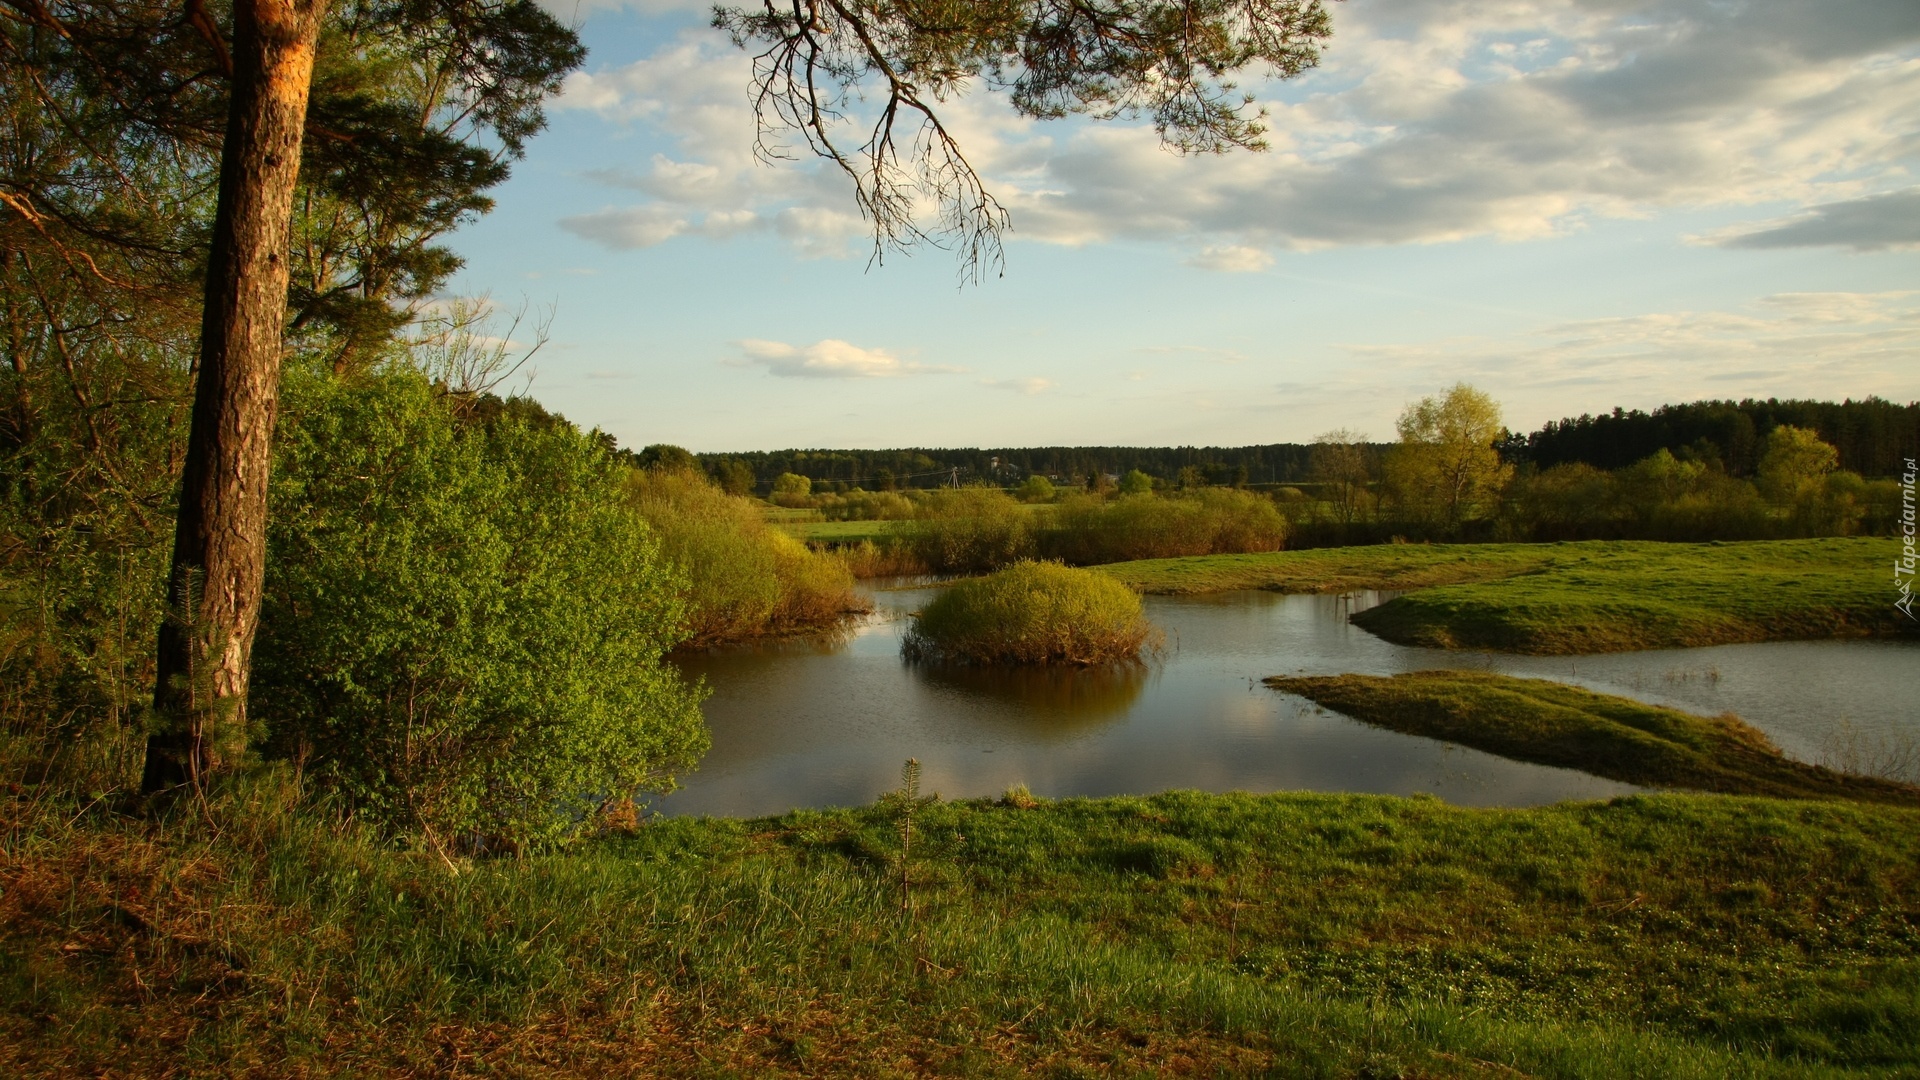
827	722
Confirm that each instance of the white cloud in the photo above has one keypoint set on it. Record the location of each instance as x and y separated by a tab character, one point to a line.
694	93
1023	386
1856	343
1232	259
1430	121
831	359
1436	121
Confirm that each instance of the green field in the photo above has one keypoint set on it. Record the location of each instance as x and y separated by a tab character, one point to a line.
1296	935
1553	724
1599	596
844	532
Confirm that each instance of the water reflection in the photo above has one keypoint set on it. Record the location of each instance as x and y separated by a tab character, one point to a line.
822	723
1055	702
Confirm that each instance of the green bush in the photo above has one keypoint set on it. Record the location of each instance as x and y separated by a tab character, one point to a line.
1036	489
967	530
1032	613
1211	521
464	622
860	505
745	578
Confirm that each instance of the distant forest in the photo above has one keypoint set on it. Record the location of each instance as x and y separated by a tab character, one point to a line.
1873	436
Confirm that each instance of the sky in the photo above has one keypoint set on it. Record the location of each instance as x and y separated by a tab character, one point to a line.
1574	205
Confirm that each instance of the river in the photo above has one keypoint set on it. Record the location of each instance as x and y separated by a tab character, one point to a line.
828	721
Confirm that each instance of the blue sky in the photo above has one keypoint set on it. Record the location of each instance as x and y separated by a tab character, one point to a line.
1572	204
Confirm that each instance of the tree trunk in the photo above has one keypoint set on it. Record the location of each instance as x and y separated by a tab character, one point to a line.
219	541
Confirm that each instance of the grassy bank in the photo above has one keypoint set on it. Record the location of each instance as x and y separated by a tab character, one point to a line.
1554	724
1342	569
1578	598
1671	936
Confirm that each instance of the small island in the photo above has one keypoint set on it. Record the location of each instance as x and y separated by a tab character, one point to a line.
1033	613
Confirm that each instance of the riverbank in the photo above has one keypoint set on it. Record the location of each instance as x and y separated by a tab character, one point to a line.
1590	597
1203	934
1550	723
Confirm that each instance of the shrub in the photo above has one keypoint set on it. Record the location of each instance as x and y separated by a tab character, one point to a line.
1032	613
859	505
1211	521
463	624
966	530
745	578
1036	489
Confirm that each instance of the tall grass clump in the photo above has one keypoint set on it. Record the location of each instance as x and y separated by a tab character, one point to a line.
746	578
1086	530
1033	613
968	530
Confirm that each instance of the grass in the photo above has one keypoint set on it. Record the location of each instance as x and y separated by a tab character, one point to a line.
1294	935
844	532
1379	566
1599	596
1554	724
1032	613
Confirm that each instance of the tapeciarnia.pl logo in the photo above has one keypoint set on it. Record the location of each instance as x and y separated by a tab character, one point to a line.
1904	567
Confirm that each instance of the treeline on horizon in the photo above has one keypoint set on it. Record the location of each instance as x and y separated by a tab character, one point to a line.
1874	438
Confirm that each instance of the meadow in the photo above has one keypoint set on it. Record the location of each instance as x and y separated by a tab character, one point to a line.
1217	935
1572	598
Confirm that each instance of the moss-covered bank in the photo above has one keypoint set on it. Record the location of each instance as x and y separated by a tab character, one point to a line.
1551	723
1600	596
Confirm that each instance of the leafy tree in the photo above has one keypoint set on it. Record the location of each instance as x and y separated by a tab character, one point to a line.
1136	483
734	476
1445	469
1339	466
666	457
1795	464
1036	489
464	620
792	484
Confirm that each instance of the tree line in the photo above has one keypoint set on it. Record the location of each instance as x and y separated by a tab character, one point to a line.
1872	437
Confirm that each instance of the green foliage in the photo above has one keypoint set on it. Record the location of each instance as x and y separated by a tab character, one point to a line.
1032	613
1209	521
1340	465
745	578
735	477
967	530
1036	489
1445	470
87	487
464	623
1697	937
1553	724
791	484
667	457
867	506
1660	497
1136	483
